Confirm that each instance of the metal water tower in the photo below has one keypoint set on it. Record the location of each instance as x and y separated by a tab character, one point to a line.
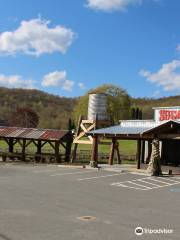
97	107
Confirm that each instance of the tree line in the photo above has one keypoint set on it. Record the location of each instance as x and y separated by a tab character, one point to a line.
20	107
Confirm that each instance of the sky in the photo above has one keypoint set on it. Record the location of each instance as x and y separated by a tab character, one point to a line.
66	47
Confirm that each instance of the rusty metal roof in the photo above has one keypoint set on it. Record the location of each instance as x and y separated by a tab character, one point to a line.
32	133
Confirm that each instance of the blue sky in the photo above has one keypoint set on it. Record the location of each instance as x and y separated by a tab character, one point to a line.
66	47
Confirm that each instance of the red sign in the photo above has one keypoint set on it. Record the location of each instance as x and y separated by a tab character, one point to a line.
169	115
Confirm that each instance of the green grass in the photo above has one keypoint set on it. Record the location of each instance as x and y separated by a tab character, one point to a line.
126	147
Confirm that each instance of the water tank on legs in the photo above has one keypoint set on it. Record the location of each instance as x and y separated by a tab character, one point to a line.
97	106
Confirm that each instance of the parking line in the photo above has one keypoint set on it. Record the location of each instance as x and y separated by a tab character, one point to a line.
131	182
70	173
50	170
166	183
103	176
125	186
148	182
171	180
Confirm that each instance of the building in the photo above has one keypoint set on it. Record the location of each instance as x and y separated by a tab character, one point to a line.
58	140
165	126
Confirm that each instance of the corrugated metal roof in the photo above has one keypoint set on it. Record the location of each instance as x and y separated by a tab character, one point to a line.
30	133
118	130
122	130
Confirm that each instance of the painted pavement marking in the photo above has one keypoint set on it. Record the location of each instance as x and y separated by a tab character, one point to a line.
103	176
70	173
147	183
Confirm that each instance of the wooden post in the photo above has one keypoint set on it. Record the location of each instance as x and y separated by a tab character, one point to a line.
138	156
23	150
111	156
94	157
73	159
68	148
38	158
149	151
11	145
118	153
142	150
57	143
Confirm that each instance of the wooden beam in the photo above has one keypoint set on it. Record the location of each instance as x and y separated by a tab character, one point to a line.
94	157
169	136
149	151
73	159
57	156
111	155
138	156
142	150
68	149
118	153
38	153
23	150
11	145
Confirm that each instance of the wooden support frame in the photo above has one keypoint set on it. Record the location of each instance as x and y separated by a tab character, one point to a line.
138	156
142	150
111	156
57	155
23	149
94	157
118	153
149	151
68	150
85	126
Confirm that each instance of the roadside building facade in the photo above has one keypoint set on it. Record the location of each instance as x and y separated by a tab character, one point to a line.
165	126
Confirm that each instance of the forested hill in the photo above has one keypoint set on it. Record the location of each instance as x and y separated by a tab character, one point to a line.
53	111
146	104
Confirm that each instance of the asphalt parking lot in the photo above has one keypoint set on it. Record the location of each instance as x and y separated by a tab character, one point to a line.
57	203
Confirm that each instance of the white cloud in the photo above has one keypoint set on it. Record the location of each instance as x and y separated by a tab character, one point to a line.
35	37
167	77
81	85
111	5
57	79
15	81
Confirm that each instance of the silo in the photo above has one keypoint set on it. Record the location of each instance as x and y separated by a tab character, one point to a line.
97	106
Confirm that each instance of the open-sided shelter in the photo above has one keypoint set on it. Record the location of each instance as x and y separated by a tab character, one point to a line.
59	140
165	127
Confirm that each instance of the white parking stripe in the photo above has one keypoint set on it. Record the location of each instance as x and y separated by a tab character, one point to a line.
147	181
125	186
157	180
44	171
140	185
50	170
103	176
70	173
171	180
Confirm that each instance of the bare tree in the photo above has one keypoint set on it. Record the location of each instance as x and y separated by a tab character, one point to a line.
24	117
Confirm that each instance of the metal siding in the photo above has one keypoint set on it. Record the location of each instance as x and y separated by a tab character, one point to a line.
127	130
5	131
15	133
35	134
53	135
29	133
120	130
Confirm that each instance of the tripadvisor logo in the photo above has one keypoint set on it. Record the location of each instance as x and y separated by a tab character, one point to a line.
140	231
